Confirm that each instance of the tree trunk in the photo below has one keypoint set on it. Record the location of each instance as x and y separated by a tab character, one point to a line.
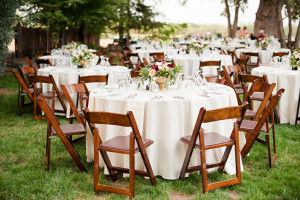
280	23
297	39
228	18
236	16
267	17
288	8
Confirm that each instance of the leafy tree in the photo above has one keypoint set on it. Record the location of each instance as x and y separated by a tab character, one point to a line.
7	17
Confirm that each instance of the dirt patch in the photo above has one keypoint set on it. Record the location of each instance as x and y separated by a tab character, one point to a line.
5	91
174	195
233	195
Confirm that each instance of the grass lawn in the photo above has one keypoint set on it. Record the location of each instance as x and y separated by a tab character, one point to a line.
23	174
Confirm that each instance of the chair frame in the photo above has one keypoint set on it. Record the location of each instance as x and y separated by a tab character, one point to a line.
127	120
236	112
261	120
94	79
42	61
21	94
210	63
53	122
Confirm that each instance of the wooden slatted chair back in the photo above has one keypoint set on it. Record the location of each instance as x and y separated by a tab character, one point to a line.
22	84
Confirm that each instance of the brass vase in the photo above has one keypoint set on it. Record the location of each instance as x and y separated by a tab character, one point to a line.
161	83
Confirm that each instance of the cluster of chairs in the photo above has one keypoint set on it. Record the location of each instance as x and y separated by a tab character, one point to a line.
77	96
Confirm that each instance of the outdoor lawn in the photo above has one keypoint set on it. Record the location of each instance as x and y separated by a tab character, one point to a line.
23	174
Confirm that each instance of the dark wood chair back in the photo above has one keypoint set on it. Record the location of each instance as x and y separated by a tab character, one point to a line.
22	84
215	80
280	54
145	61
24	71
42	61
157	56
78	89
94	79
27	59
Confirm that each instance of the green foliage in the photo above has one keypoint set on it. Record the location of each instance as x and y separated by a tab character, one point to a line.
23	174
7	17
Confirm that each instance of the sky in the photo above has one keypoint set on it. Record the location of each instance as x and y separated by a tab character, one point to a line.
201	12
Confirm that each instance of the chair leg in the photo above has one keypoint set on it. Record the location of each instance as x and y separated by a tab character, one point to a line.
204	172
276	115
21	104
269	150
131	166
48	144
186	162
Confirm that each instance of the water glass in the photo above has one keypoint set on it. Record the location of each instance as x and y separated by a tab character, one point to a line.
153	86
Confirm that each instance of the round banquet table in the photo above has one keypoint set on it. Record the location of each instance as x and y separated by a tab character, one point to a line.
62	60
264	55
290	81
163	117
191	63
69	75
145	53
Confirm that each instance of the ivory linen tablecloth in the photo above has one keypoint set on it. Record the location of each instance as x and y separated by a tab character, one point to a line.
145	53
190	63
163	117
290	81
264	55
68	75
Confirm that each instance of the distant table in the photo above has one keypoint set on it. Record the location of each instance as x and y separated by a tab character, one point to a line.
191	63
290	81
68	75
264	55
145	53
163	117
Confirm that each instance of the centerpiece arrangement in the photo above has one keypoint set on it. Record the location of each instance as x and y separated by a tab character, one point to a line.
295	59
264	43
163	73
82	58
71	45
197	47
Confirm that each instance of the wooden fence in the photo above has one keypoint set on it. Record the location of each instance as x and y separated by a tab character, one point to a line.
30	41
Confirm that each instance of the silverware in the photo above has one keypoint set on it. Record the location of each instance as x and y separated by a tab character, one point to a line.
178	97
156	98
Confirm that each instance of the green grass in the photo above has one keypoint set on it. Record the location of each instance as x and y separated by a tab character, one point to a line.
23	174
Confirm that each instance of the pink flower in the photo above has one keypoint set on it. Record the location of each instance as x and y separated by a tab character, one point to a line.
152	72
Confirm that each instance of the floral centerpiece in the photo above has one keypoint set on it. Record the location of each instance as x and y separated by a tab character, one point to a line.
72	45
263	43
295	58
83	58
197	47
163	72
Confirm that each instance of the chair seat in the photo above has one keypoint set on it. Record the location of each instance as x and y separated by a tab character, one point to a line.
48	95
31	90
238	85
249	125
249	113
211	140
239	90
258	96
120	144
70	129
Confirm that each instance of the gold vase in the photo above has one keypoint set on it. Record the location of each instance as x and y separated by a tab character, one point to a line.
161	83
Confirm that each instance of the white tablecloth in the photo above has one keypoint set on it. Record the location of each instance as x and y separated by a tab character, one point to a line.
191	63
264	55
145	53
65	76
61	60
290	81
164	120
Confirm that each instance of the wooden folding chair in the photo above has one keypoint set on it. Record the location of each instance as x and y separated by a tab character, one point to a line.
156	56
215	80
50	95
133	56
41	61
297	113
260	124
120	144
24	71
238	91
233	55
124	63
205	141
250	65
54	128
242	62
145	61
280	54
81	91
210	64
27	59
94	79
23	91
234	72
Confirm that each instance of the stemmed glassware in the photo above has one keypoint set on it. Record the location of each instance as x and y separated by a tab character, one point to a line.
102	63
